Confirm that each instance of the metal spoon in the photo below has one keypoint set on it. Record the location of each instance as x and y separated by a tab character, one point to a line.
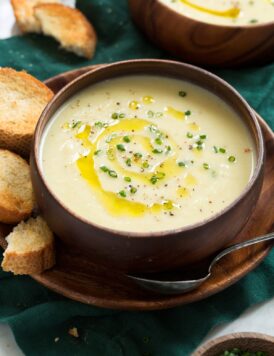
183	286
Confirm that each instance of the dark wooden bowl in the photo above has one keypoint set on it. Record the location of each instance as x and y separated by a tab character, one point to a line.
203	43
140	252
245	341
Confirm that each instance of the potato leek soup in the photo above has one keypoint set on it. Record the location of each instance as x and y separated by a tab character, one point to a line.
226	12
146	153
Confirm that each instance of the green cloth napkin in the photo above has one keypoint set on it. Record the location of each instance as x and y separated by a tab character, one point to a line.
38	316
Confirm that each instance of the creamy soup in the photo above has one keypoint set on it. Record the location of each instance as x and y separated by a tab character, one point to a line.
144	153
227	12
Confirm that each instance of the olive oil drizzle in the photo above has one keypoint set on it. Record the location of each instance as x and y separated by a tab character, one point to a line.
114	203
233	12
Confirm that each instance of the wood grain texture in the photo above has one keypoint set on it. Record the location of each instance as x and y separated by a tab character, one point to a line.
203	43
78	278
252	342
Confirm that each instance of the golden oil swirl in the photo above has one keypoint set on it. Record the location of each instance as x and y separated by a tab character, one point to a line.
232	12
112	136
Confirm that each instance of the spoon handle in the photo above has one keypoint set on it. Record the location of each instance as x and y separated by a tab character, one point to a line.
241	245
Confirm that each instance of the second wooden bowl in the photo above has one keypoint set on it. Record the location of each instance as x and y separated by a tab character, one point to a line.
203	43
245	341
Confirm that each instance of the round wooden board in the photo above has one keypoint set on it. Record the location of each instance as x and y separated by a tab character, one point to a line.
77	278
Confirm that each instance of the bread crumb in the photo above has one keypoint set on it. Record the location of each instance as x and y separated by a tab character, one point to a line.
73	332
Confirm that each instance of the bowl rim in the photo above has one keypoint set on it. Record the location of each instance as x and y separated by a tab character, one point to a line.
163	233
208	345
216	25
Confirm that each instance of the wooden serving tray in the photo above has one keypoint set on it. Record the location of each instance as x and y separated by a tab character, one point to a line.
78	278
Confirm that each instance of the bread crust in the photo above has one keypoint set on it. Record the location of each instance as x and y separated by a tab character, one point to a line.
30	248
68	26
34	262
22	100
24	14
14	208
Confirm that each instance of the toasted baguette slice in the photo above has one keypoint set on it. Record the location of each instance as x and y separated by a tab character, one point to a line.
24	14
30	248
22	100
16	193
68	26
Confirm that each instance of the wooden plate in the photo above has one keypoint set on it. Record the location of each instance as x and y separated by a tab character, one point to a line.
77	278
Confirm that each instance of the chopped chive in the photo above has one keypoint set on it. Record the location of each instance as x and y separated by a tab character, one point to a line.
145	164
222	150
253	21
157	151
126	139
122	194
121	116
202	137
181	164
133	190
150	113
75	124
160	175
120	147
153	179
98	124
189	135
206	165
115	116
182	93
97	152
231	159
158	141
138	155
127	179
199	147
112	174
104	168
168	149
215	149
188	112
128	162
199	142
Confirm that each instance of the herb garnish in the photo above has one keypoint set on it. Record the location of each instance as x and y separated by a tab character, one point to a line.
182	93
120	147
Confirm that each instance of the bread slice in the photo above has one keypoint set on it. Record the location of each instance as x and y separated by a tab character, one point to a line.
22	100
68	26
24	14
30	248
16	193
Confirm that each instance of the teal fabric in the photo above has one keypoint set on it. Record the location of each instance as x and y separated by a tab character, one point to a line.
38	316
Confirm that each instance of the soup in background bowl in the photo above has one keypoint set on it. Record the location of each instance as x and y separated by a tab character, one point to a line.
145	171
226	12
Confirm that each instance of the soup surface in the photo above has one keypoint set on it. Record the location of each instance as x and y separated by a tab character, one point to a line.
226	12
144	153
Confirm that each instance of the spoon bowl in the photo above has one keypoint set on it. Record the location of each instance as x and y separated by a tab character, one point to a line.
183	286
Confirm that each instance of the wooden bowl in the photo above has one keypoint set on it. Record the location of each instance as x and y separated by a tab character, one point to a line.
245	341
143	252
200	42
